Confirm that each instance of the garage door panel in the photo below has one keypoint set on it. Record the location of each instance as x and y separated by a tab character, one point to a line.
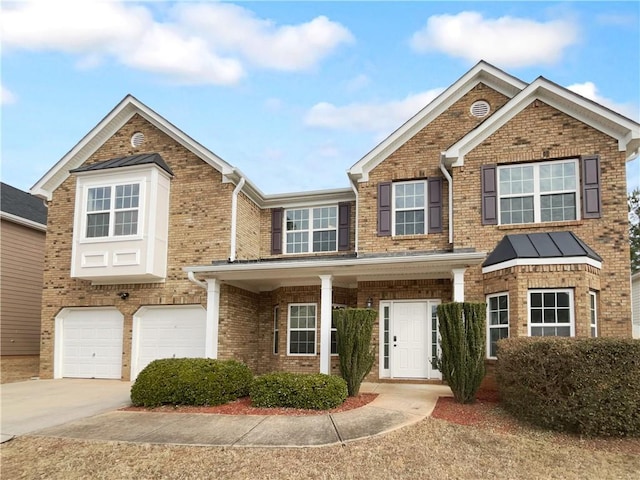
92	343
168	332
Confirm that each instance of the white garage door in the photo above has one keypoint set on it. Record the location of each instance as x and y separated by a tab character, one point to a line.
91	343
167	332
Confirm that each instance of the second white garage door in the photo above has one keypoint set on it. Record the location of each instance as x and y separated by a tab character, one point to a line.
167	332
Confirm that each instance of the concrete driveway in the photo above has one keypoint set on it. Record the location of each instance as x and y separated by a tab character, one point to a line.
36	404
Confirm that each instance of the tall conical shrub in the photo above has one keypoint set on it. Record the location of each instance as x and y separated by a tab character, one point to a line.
462	332
354	327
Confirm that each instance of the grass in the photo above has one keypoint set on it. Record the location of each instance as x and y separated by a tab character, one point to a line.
433	448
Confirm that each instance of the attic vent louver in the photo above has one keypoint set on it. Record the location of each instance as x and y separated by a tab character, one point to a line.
137	139
480	109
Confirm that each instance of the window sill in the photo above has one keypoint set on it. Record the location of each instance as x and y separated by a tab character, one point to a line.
520	226
421	236
127	238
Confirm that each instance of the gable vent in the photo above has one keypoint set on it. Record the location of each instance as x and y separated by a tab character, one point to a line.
480	109
137	139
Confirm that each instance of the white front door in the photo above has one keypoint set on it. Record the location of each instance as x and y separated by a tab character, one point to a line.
409	339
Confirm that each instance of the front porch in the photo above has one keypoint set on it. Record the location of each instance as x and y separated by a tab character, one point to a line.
277	315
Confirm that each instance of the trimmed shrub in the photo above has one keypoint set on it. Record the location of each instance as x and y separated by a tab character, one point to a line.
354	327
191	381
462	332
589	386
315	391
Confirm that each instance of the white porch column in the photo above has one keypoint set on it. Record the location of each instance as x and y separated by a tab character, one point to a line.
326	301
213	316
458	284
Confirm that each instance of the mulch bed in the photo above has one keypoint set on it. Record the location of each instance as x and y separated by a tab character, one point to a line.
243	406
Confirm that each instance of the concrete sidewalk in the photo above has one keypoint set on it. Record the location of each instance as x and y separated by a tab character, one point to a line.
396	406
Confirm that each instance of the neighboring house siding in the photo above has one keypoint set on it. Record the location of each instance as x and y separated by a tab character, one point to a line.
199	232
419	157
539	133
21	265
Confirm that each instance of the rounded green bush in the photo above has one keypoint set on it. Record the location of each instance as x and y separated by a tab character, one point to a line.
191	381
589	386
315	391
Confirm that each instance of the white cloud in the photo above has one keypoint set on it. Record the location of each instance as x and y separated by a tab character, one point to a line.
287	47
505	41
358	82
369	117
197	43
7	97
590	90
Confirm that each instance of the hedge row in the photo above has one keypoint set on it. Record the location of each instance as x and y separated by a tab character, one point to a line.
203	381
190	381
313	391
585	386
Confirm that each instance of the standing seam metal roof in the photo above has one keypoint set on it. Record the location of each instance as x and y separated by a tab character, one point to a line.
540	245
130	161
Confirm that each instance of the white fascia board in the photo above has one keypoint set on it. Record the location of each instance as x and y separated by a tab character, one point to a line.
109	125
566	101
309	199
23	221
453	258
481	73
543	261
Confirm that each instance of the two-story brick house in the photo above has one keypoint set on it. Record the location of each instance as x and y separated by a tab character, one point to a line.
497	191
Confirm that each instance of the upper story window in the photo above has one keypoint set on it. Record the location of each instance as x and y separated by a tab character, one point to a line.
409	207
541	192
311	229
112	211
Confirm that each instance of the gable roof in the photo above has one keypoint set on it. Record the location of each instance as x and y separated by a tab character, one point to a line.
116	119
130	161
552	246
623	129
16	204
482	72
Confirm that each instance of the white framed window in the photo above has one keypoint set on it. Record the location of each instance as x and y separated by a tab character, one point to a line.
551	313
538	192
497	321
593	313
276	329
112	210
301	326
409	207
311	229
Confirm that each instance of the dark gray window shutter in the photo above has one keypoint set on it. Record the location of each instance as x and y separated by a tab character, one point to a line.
434	191
489	195
384	209
276	231
344	224
591	201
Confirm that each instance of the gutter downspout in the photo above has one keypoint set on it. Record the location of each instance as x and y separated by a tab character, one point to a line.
234	218
355	190
192	278
447	175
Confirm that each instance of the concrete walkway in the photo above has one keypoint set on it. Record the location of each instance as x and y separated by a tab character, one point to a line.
396	406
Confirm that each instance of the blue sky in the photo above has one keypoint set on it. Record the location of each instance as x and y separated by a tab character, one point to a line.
293	94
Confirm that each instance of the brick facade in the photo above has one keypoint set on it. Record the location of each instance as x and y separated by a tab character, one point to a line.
200	236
